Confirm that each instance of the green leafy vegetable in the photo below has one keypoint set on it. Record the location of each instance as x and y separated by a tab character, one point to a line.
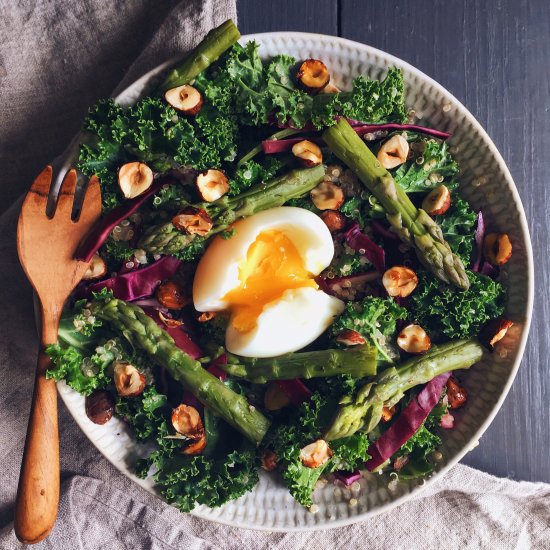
458	314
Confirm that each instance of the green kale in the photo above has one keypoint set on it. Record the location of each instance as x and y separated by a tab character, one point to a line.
253	172
374	318
433	166
458	226
347	261
304	202
456	313
354	209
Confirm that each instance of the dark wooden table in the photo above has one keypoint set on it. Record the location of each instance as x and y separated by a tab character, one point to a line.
494	56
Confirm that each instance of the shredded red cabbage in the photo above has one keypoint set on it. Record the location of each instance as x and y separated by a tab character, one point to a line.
478	236
295	390
408	423
384	231
347	478
99	233
141	283
273	146
336	285
363	244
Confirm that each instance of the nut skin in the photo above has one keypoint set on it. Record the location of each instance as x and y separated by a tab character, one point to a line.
308	153
196	447
129	382
206	316
193	221
497	248
456	394
186	99
399	281
335	221
393	152
494	331
315	454
413	339
171	295
96	269
387	413
134	178
350	337
212	185
313	75
100	407
400	462
275	398
169	322
187	421
269	460
330	88
437	201
327	196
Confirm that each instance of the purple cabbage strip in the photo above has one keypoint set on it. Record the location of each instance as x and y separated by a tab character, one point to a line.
372	128
141	283
273	146
489	270
347	478
364	245
478	236
383	231
409	422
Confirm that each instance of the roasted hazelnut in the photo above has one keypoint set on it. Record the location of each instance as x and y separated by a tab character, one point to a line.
169	321
437	201
269	460
134	178
315	454
399	281
400	462
308	152
413	339
497	248
186	420
330	88
194	221
212	185
335	221
387	413
393	152
186	99
275	398
195	447
129	382
206	316
313	75
96	269
171	295
327	196
456	394
494	331
100	406
350	338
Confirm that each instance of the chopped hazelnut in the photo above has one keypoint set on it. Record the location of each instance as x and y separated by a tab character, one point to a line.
413	339
399	281
269	460
393	152
494	331
194	221
313	75
129	382
315	454
327	196
275	398
350	338
335	221
497	248
206	316
330	88
456	394
308	152
437	201
196	447
186	420
171	295
186	99
134	178
169	322
212	185
96	269
387	413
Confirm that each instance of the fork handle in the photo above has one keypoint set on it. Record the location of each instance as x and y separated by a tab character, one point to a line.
38	490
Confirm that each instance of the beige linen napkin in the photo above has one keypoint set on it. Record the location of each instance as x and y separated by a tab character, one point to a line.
57	58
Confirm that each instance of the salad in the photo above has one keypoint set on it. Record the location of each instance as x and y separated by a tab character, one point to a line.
285	277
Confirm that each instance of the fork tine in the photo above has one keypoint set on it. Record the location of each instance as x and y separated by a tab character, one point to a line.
66	194
41	185
80	192
92	199
54	188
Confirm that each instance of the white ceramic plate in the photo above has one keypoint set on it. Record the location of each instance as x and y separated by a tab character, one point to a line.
487	184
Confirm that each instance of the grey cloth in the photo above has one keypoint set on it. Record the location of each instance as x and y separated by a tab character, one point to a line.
57	58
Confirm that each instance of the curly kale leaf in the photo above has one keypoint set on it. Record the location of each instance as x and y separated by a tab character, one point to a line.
456	313
438	166
253	172
374	318
458	226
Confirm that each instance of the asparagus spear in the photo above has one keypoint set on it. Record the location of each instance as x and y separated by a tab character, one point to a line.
166	239
214	44
358	361
142	332
364	411
413	225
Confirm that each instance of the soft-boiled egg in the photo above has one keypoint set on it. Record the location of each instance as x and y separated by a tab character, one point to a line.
264	276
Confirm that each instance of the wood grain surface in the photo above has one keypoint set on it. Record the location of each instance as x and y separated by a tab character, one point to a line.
494	57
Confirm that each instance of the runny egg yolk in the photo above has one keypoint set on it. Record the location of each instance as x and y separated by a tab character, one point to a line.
272	265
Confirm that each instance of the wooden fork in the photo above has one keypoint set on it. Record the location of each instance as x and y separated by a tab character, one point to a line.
46	247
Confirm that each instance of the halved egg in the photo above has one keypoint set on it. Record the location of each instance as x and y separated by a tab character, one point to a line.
264	276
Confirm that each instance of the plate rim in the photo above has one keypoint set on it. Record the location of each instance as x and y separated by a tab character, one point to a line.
64	391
